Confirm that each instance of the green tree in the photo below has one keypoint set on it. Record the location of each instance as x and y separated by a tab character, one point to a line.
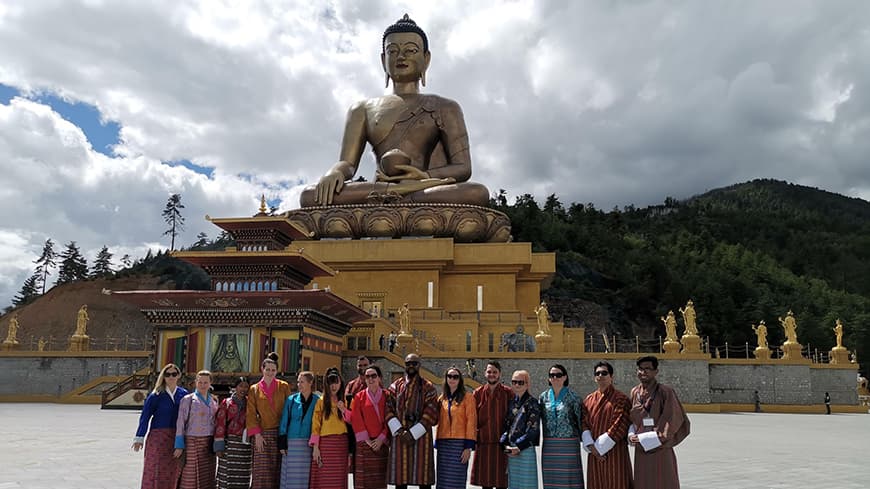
45	263
103	264
201	240
73	266
172	216
29	291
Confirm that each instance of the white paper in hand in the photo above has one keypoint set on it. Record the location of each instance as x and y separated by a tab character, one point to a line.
649	440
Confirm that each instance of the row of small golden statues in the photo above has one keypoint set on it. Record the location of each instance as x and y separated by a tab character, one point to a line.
79	341
690	342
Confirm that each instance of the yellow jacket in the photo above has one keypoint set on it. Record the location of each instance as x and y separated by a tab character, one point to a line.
458	420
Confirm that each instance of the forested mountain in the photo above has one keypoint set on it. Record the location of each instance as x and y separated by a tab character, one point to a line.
743	253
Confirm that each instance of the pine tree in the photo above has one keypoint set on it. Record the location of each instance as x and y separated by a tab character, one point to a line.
73	266
126	261
45	263
172	216
103	264
29	291
201	240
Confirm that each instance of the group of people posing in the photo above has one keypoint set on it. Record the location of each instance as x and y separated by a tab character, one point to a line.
265	437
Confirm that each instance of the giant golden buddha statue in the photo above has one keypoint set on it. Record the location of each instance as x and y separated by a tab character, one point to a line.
419	140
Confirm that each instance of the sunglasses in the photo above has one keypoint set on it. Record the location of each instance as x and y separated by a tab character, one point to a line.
645	369
452	376
170	374
412	363
601	373
556	375
371	376
518	382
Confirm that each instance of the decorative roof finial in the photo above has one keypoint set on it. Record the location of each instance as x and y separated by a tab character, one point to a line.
263	207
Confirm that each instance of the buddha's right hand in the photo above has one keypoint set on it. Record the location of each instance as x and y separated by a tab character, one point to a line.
330	184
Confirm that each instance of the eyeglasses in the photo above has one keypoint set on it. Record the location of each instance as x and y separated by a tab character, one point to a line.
371	376
556	375
412	363
518	382
602	373
453	376
645	369
170	374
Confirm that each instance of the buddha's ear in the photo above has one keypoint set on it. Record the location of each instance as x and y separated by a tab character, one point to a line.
427	57
384	66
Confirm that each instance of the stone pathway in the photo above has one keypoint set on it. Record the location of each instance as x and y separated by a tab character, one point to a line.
83	447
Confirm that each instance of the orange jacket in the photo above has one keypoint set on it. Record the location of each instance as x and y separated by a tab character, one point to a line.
458	420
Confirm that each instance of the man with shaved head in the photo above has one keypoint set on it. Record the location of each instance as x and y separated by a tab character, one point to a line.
411	414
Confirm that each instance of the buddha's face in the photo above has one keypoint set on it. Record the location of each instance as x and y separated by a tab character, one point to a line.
403	57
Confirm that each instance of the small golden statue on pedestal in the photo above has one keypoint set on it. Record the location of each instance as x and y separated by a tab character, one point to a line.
11	341
672	345
403	315
690	339
791	349
80	340
40	345
542	336
839	354
762	352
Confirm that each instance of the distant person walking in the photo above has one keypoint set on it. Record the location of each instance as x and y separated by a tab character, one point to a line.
659	423
827	403
159	419
757	400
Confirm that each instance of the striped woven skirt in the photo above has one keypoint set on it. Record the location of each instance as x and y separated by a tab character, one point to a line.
161	469
523	470
198	471
333	473
234	468
561	464
267	464
370	469
451	473
296	465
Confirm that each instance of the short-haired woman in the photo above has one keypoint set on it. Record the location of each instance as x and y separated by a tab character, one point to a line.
561	462
457	432
193	435
265	404
158	420
329	436
294	432
522	430
368	418
234	453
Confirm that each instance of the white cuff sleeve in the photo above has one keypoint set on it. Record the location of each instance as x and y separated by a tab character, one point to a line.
604	443
418	430
587	440
395	425
631	430
138	439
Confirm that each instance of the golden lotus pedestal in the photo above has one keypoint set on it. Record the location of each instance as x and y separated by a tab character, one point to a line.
791	351
463	223
405	344
762	353
691	344
8	345
543	342
839	355
79	343
672	347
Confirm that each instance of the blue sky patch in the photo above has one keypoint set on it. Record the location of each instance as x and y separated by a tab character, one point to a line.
101	135
202	170
6	93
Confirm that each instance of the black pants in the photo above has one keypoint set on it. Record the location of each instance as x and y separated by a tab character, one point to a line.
405	486
828	408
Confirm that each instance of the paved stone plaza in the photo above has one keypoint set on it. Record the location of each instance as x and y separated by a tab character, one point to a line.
81	447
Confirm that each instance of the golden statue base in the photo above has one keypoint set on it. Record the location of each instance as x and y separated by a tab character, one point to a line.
839	355
691	344
9	345
543	342
791	351
79	343
405	343
463	223
762	353
672	347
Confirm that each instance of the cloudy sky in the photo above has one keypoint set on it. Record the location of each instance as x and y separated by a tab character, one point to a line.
108	107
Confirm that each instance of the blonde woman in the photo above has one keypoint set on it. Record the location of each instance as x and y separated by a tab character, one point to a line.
522	433
194	435
158	419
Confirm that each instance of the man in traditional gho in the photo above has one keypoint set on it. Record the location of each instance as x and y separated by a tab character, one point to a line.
358	384
411	414
655	409
490	462
605	433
